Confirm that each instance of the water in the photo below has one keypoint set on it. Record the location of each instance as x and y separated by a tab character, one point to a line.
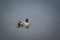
44	19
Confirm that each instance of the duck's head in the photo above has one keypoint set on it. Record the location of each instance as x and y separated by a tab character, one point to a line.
26	20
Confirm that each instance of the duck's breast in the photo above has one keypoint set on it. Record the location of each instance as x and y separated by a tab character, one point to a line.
26	24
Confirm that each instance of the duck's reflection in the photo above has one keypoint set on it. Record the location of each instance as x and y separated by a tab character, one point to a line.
27	27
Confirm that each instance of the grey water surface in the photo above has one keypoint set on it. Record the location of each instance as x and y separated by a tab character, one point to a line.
44	18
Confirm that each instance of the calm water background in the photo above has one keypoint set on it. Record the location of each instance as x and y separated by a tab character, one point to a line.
44	18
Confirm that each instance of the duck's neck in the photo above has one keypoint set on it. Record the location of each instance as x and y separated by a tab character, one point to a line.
26	22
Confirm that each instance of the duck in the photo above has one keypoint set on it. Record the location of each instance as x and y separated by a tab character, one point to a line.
24	23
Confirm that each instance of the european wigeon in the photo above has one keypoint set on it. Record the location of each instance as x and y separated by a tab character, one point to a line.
24	23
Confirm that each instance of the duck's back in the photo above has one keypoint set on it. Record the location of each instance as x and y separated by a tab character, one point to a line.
25	23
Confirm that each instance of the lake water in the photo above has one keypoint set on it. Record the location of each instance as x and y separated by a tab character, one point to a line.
44	19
